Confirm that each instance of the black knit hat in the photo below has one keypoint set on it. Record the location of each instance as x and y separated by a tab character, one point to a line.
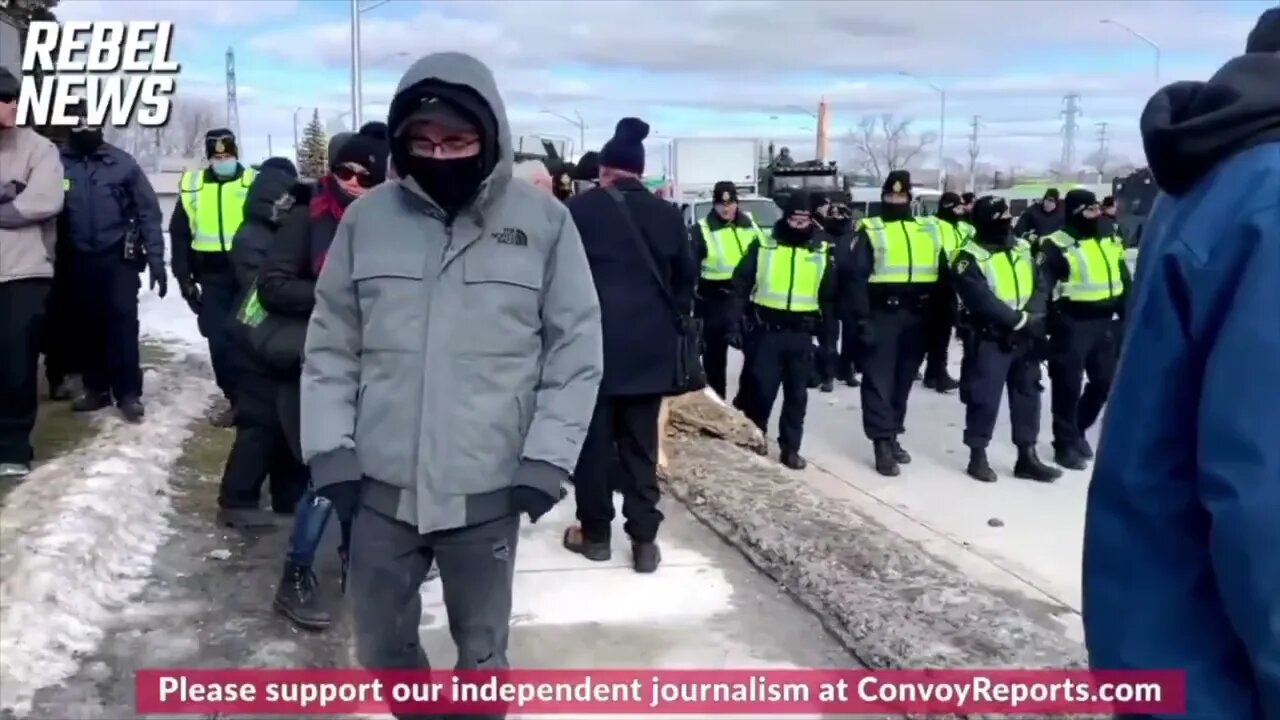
724	192
968	199
9	84
367	152
1265	37
1051	194
376	130
280	164
898	181
949	200
797	203
588	167
625	150
220	140
1078	200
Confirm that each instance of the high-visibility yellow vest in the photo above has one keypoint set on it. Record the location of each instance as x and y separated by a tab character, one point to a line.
215	210
1010	274
726	247
905	252
953	237
1095	268
788	278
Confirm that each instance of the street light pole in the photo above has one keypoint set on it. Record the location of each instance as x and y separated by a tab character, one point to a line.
356	99
1154	45
578	123
942	127
295	129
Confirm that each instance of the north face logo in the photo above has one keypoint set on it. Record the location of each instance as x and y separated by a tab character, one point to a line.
511	236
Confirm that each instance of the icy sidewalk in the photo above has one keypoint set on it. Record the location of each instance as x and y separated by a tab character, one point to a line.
78	537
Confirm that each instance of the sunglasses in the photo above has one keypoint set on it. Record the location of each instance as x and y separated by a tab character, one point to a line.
346	174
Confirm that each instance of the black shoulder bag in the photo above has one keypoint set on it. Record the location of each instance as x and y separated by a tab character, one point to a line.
690	376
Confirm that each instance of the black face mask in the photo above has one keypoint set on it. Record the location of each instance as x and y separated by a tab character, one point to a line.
894	213
451	183
837	225
949	214
85	142
791	236
1083	227
994	232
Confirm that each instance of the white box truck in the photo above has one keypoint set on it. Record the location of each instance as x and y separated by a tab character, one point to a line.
699	163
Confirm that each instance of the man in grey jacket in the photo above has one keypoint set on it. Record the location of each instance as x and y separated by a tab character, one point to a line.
451	366
31	197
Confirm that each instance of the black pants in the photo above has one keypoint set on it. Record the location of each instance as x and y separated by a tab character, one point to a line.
622	438
22	307
851	352
990	367
747	392
61	341
262	449
717	323
781	359
106	308
937	348
827	355
889	370
390	561
218	307
1080	349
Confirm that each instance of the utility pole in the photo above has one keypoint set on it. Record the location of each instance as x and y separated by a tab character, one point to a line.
1102	150
1071	111
974	149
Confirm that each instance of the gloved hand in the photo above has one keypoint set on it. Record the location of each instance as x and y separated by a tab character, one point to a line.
159	278
530	488
1035	326
733	336
191	293
866	335
345	497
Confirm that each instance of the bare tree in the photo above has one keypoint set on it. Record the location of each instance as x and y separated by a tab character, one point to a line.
1099	160
885	143
181	137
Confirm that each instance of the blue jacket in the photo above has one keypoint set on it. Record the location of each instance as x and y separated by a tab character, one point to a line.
106	191
1182	536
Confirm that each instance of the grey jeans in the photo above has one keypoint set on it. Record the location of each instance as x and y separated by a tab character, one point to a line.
390	561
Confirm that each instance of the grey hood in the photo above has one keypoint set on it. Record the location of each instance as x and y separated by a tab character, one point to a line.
460	69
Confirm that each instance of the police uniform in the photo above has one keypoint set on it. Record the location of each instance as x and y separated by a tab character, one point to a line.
838	342
953	232
789	282
1091	285
896	265
719	245
201	230
1004	306
111	230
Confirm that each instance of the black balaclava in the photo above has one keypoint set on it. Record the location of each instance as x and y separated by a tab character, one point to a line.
991	226
83	139
899	181
452	183
949	207
1074	205
787	235
839	221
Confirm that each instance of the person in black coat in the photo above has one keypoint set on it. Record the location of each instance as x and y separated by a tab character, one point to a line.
840	226
286	288
1041	219
642	321
260	448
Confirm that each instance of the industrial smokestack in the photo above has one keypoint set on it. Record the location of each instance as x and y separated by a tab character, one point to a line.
821	151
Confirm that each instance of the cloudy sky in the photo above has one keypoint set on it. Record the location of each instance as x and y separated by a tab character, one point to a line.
721	67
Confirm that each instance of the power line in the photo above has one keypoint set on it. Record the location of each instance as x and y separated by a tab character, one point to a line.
1071	111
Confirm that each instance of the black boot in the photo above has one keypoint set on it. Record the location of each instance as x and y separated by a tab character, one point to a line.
852	379
979	469
827	386
298	599
791	458
886	464
132	410
1084	448
942	382
900	453
91	402
58	390
1069	458
1029	466
645	556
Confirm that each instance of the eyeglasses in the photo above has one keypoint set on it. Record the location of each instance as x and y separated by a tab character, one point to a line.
453	146
346	174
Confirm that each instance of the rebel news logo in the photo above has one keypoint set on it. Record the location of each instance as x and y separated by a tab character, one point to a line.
120	73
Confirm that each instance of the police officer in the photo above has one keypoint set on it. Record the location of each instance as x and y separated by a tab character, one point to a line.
842	362
896	266
1108	223
953	232
204	222
1085	325
720	240
111	225
1003	321
789	281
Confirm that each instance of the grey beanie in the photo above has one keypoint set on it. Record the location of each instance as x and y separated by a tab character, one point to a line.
335	144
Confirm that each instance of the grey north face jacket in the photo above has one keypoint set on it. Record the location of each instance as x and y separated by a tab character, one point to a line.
444	361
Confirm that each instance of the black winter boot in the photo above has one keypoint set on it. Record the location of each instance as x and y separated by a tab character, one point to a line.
1029	466
886	463
900	453
942	382
979	469
827	386
1069	458
1084	448
133	410
91	402
791	458
298	599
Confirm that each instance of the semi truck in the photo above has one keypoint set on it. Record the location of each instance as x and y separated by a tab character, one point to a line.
697	164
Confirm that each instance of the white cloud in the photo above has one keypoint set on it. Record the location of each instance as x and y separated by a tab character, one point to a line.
189	15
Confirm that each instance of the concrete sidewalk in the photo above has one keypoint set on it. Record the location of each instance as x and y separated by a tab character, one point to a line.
1031	555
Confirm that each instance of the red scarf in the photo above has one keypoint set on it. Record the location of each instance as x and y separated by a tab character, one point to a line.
324	202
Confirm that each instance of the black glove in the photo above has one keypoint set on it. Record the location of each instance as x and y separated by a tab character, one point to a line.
345	497
527	495
191	293
866	335
159	279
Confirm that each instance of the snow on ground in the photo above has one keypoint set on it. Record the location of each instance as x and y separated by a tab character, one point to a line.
1035	554
80	533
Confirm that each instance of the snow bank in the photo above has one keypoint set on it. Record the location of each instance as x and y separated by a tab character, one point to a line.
80	534
893	604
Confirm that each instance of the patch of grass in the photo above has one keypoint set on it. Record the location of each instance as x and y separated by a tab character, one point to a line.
58	430
205	452
154	354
